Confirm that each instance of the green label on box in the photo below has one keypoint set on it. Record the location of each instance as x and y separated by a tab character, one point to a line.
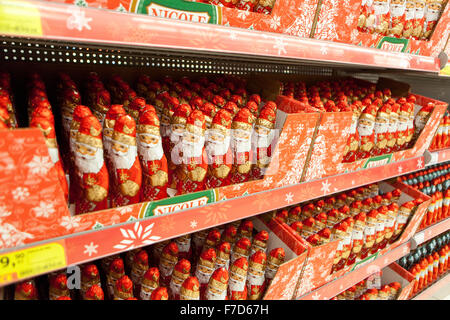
365	261
378	161
174	204
180	10
393	44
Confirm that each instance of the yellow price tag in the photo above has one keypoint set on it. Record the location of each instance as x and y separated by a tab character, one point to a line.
19	18
33	261
446	70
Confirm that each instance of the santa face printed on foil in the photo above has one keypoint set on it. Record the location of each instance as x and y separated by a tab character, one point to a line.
124	158
217	286
366	125
94	181
381	128
255	275
184	246
397	11
262	137
409	18
381	12
238	276
433	10
419	18
153	160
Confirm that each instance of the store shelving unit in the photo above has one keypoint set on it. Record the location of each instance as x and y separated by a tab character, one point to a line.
51	33
436	156
430	232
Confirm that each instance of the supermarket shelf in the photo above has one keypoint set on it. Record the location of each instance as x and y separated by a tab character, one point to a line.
430	232
94	244
429	291
333	288
435	157
53	21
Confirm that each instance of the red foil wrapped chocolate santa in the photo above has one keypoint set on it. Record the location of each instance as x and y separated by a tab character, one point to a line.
419	18
433	11
139	266
190	289
218	150
58	286
180	273
242	127
262	138
255	275
397	10
125	161
381	128
393	128
26	290
123	288
223	255
89	277
217	286
150	281
167	261
275	259
116	271
192	172
237	289
153	161
366	125
93	175
95	292
184	246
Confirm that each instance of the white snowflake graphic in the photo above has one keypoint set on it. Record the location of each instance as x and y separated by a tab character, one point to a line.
353	182
275	22
419	163
316	296
289	197
20	193
354	34
237	186
349	19
70	222
136	236
233	35
124	210
267	182
40	165
193	224
77	19
45	209
91	249
400	169
280	45
323	50
243	14
325	187
10	236
4	212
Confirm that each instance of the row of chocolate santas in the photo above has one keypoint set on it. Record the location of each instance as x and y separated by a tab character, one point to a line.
258	6
7	109
371	289
124	131
434	182
410	19
442	140
381	124
227	263
363	220
428	262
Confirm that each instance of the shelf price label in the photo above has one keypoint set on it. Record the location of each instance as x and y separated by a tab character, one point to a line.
32	261
19	18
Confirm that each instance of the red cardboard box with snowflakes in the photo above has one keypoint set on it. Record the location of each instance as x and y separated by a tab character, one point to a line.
338	21
293	17
318	266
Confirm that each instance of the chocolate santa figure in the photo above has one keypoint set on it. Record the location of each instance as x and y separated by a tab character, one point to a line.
366	125
402	131
26	290
192	172
382	16
241	249
94	292
381	128
135	107
255	275
229	234
421	119
212	239
218	150
175	147
433	11
223	255
265	6
48	130
115	272
167	261
111	116
237	289
392	129
139	267
409	19
93	175
184	246
274	260
58	286
149	282
125	161
89	277
246	229
259	242
205	268
262	137
152	158
180	273
419	18
190	289
351	146
123	288
397	12
242	127
101	104
217	286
